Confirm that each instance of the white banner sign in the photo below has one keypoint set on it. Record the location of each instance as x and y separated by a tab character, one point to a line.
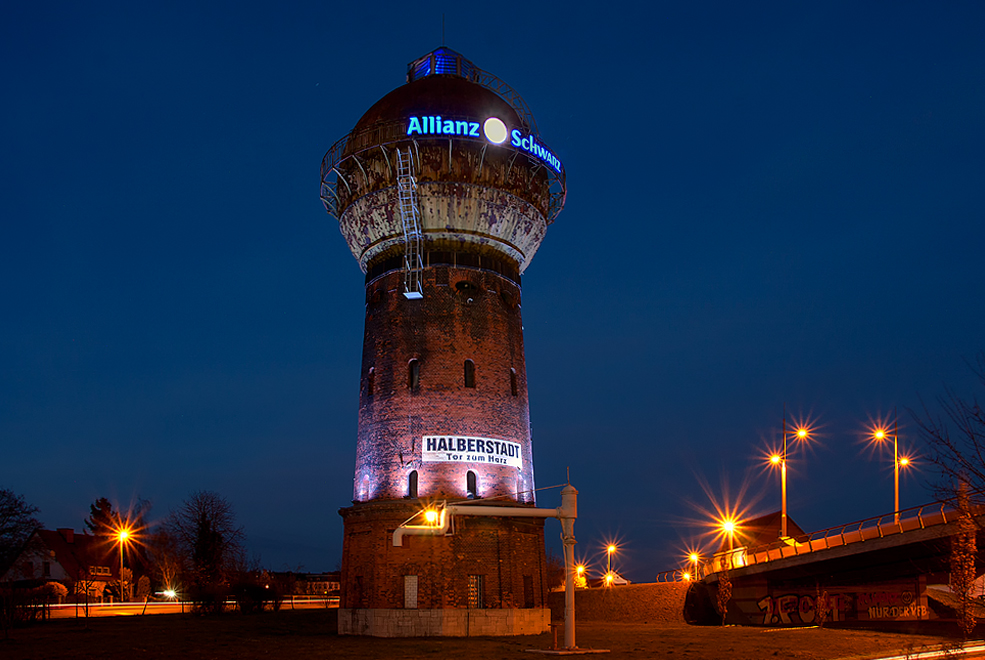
458	449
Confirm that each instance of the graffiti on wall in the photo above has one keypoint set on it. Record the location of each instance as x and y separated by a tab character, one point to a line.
793	608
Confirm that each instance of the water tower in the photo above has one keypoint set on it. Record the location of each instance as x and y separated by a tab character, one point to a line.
443	190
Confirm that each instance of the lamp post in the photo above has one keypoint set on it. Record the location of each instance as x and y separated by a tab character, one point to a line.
781	459
122	537
879	434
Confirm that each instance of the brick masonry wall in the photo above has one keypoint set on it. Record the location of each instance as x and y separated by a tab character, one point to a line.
466	314
502	550
632	603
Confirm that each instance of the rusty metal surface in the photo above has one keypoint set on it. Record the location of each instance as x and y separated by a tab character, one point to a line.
453	215
362	162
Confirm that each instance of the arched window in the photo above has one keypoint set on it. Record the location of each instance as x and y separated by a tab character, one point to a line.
414	374
469	373
471	486
370	381
514	388
412	484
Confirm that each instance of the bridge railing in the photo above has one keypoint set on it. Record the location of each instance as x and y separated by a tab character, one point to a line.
679	575
919	517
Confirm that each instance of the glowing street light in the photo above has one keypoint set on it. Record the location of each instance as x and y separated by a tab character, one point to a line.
580	580
800	433
122	536
694	559
728	528
608	559
879	434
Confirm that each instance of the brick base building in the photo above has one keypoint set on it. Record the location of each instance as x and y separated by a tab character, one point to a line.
485	578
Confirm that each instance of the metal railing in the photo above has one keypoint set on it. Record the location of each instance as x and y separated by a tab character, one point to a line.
915	518
674	576
395	132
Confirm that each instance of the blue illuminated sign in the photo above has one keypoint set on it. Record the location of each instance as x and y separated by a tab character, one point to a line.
528	143
436	126
493	129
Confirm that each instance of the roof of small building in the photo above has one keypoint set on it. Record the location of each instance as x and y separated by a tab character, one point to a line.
75	551
762	530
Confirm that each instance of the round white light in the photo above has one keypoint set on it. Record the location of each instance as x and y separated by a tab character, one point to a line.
495	130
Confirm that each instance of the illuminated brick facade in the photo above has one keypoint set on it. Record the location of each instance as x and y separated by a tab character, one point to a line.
443	409
469	319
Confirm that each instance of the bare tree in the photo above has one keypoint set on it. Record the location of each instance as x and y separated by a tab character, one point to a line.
205	532
955	440
554	568
963	552
724	592
17	524
167	559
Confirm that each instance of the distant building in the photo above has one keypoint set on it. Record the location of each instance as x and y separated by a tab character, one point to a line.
761	531
600	582
84	564
310	584
318	584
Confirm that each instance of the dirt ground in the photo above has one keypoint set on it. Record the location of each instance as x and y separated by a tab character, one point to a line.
312	634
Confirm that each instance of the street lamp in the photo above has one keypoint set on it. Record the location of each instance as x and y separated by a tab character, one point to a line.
800	433
879	434
122	536
695	559
728	529
608	558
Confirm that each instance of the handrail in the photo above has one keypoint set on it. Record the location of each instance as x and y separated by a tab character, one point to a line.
395	132
824	539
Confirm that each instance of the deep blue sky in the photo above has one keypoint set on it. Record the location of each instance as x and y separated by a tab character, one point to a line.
767	204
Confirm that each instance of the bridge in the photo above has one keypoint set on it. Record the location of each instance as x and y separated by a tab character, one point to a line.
888	569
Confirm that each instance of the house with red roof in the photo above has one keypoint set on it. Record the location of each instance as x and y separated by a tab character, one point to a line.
84	564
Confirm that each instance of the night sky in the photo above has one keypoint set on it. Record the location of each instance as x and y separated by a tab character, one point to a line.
768	204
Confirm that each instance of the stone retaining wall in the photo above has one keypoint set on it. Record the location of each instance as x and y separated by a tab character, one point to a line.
443	623
632	603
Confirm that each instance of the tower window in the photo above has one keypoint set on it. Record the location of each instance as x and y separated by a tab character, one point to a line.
471	487
414	374
370	381
514	388
469	373
412	484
